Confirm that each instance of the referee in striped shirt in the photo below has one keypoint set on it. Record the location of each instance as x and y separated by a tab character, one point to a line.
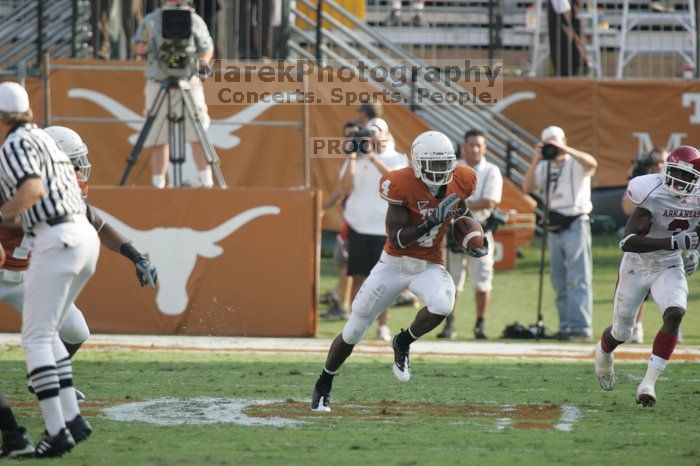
39	187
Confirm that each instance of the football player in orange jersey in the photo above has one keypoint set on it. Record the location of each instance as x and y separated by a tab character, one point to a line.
422	200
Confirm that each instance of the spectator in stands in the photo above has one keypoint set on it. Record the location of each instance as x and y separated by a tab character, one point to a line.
395	19
489	188
147	41
645	164
259	19
365	210
570	238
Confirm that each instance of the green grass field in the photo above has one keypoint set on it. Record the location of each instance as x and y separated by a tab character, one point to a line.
375	419
453	411
514	298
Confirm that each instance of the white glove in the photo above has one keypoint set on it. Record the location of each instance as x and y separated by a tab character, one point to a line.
685	240
690	262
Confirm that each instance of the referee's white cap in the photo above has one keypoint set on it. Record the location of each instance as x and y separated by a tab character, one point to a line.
13	98
553	132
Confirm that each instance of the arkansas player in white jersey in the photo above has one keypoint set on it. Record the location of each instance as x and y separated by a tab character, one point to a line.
662	225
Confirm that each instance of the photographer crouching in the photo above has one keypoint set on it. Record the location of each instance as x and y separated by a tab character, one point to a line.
178	46
571	265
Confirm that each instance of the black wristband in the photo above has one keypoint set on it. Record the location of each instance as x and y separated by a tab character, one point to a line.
129	251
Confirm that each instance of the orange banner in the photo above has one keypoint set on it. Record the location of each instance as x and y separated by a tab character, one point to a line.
613	120
230	262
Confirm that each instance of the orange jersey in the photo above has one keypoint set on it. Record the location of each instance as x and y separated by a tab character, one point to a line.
401	187
17	256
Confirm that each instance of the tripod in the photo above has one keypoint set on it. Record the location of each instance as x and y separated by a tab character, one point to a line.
176	132
545	231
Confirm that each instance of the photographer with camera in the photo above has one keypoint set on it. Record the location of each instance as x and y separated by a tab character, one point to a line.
179	47
569	192
482	205
644	164
373	156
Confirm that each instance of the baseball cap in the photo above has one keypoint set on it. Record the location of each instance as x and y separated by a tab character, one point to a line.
13	98
553	132
378	123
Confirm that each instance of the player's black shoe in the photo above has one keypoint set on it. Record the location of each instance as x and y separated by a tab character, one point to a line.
321	399
16	444
79	428
479	334
53	446
402	366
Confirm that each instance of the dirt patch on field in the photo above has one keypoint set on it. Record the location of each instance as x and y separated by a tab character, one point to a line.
531	417
29	408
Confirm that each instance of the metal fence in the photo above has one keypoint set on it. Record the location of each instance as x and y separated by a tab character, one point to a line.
597	38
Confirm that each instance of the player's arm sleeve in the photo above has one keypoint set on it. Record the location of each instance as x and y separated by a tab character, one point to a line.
389	190
639	192
203	39
19	163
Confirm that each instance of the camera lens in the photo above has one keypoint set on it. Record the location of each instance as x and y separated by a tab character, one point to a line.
549	151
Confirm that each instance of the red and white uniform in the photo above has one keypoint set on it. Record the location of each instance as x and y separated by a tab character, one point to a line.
658	271
418	267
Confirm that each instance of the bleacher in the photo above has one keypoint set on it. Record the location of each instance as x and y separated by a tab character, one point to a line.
456	27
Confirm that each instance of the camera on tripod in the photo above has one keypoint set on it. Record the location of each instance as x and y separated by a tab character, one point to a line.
177	56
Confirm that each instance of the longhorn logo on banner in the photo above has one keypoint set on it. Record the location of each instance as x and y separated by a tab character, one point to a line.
174	252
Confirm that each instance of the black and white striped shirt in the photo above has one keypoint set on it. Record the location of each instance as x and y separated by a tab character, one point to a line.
28	152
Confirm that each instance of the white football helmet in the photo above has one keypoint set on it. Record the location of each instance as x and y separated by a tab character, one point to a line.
433	158
70	142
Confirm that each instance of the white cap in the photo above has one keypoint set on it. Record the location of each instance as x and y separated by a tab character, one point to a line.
379	123
13	98
553	132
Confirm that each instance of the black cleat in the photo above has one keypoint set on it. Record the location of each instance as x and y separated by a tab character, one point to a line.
51	447
321	400
402	366
79	428
479	334
447	333
16	444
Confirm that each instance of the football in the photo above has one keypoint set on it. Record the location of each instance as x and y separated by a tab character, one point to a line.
467	232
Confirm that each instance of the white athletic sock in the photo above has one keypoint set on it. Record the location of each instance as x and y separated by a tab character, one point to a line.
53	415
205	177
158	181
654	370
45	382
69	403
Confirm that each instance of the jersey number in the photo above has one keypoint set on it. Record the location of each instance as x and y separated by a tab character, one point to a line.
678	225
385	187
427	239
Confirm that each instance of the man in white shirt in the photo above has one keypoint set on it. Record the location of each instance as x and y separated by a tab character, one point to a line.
365	210
489	188
571	262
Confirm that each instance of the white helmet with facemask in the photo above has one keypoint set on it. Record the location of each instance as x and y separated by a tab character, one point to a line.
71	143
433	158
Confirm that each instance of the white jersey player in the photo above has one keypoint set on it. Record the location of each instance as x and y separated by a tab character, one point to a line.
661	227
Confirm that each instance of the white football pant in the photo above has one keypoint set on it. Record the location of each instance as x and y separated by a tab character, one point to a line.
74	329
64	257
637	276
390	276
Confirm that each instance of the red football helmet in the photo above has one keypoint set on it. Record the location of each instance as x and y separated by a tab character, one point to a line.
681	171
